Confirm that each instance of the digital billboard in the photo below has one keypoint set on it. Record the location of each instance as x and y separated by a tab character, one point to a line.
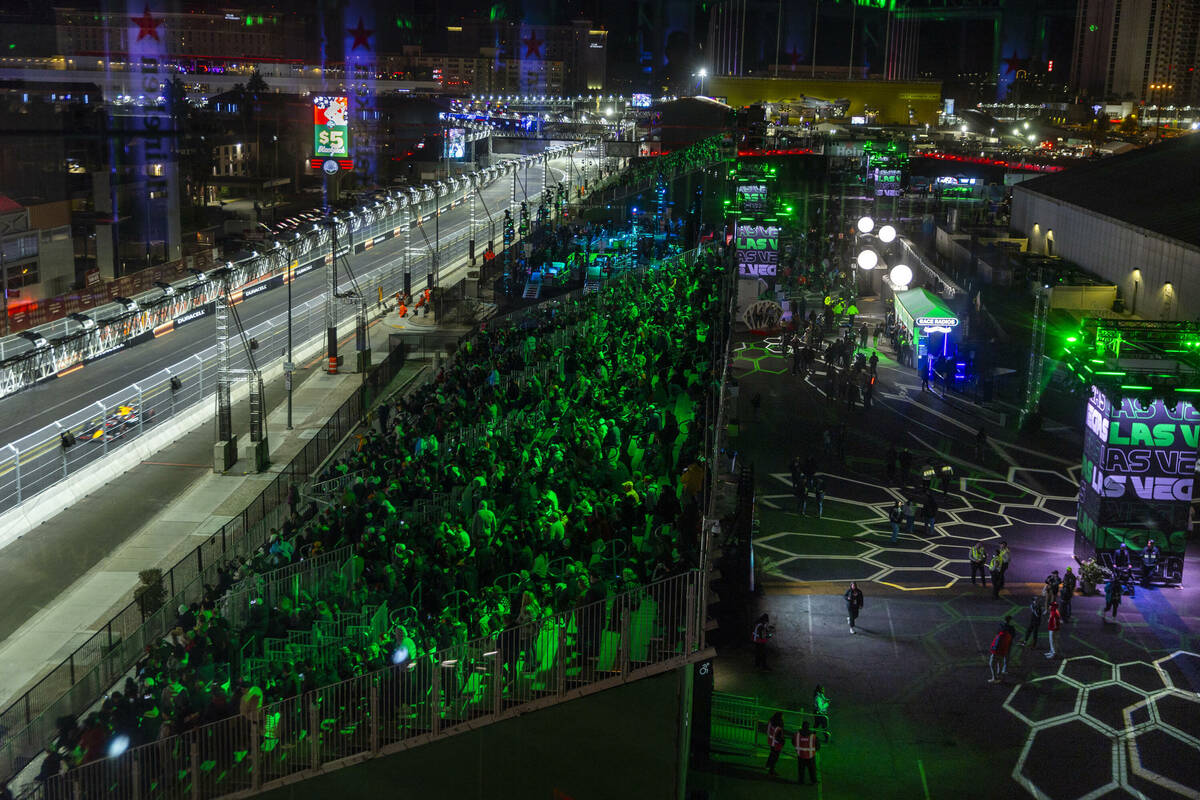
757	250
1139	462
456	143
752	197
331	126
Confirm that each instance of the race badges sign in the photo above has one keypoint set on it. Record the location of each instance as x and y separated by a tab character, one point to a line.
757	250
1139	463
331	126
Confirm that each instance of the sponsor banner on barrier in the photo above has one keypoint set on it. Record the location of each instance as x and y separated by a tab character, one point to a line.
262	286
196	313
145	336
304	270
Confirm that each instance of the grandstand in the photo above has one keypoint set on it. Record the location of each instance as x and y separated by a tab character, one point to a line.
521	529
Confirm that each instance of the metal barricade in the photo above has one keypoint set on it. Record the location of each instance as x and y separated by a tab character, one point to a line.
428	696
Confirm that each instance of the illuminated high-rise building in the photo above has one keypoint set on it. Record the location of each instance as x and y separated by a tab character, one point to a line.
1138	49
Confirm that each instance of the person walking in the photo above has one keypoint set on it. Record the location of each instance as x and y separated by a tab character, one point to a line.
931	509
1035	621
819	494
978	558
910	515
800	488
1065	593
873	363
854	604
806	753
1053	624
775	737
1001	643
761	635
1112	597
980	443
895	517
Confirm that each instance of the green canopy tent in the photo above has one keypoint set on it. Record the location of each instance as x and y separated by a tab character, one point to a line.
925	314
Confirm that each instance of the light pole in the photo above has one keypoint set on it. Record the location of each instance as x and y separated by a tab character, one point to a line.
703	73
287	377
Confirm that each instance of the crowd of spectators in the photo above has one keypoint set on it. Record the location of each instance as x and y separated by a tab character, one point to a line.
581	476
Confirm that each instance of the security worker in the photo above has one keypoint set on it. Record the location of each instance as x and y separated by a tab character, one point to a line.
806	753
1149	561
775	737
997	567
762	632
979	562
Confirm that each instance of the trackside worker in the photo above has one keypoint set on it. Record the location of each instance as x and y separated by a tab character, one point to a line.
806	753
774	740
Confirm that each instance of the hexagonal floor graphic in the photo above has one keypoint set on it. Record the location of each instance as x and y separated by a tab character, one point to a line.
1127	714
979	509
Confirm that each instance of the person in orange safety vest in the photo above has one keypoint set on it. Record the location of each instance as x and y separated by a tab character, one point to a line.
806	753
775	736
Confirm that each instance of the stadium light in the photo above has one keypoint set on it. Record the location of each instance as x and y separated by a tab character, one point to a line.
901	275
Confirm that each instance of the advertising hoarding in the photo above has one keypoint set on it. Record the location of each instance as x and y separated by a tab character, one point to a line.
1139	462
757	250
331	126
456	143
752	198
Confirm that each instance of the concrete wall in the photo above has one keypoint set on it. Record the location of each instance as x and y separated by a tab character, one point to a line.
1163	273
620	743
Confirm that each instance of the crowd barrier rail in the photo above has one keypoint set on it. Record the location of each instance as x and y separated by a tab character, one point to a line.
27	724
641	632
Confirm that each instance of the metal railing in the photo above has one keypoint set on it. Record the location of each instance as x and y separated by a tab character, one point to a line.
740	723
38	461
641	632
28	722
65	342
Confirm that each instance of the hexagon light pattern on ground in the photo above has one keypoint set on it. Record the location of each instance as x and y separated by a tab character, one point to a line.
979	509
1132	708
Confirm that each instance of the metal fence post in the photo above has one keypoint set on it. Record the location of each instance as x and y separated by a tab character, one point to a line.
135	773
497	678
691	611
141	409
17	468
103	425
255	754
374	699
562	655
194	755
314	724
435	698
625	642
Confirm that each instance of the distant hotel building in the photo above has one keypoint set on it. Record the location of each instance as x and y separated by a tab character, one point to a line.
1142	50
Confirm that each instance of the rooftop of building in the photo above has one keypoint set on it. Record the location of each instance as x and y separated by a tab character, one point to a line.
1155	187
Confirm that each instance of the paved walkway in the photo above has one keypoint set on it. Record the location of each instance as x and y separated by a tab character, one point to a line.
64	580
1116	714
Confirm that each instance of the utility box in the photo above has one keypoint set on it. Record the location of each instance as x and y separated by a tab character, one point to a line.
225	455
258	454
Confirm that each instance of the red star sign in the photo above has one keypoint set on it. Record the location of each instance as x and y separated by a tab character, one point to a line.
1013	63
795	56
147	25
533	46
361	34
